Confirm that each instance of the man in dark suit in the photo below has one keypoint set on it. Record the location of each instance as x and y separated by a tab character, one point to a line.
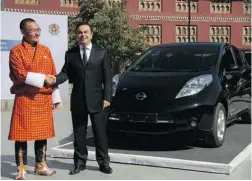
89	69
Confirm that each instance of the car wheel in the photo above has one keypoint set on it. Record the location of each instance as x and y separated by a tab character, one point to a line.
218	131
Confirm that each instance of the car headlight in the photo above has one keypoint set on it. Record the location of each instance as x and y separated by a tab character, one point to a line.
115	82
195	85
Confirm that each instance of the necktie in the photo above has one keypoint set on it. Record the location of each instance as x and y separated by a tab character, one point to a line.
84	56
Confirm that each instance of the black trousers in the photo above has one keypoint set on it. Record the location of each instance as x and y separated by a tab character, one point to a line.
99	126
40	147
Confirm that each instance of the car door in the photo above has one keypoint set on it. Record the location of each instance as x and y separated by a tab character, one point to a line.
244	83
238	98
231	74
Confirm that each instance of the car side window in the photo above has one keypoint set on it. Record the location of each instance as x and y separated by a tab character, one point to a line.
248	58
238	56
227	60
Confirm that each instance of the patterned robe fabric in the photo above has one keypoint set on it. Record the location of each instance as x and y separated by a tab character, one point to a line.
32	116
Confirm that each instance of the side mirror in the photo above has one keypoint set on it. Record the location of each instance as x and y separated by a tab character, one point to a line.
126	65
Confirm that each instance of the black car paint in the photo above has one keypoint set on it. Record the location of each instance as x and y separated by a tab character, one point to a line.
161	89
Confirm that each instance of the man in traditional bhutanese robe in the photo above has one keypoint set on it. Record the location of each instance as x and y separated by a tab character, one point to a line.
31	69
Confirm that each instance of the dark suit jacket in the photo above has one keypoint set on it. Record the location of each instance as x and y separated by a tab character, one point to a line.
92	83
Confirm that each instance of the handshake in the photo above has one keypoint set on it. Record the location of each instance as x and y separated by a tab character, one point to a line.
50	80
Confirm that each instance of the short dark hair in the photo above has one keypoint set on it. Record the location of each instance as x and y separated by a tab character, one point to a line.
24	22
82	24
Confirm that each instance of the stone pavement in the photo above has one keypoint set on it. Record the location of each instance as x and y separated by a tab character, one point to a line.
63	127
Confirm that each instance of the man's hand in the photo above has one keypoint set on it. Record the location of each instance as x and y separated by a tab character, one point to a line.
106	104
50	80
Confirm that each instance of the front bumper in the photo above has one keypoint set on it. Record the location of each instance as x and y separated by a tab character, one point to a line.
199	118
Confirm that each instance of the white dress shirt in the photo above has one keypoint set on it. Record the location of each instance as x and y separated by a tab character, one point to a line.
88	51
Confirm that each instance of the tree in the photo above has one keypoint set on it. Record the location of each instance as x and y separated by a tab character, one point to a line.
111	31
88	8
2	5
114	34
72	22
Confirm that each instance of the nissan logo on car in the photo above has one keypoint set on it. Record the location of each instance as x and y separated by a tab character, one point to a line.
141	96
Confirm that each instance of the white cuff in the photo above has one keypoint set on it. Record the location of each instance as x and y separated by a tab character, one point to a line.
56	96
35	79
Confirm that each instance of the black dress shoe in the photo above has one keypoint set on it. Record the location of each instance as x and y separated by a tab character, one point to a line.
106	169
77	169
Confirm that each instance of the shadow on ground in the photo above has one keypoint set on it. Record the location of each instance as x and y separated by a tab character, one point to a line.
137	142
9	168
128	141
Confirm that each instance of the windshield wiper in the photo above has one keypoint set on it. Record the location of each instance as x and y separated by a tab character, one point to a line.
158	70
170	70
199	69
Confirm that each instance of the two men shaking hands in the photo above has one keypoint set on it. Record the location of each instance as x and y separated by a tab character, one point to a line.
50	80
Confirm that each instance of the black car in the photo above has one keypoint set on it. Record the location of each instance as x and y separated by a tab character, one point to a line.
183	86
248	57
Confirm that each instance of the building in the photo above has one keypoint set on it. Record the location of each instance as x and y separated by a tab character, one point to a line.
55	7
167	20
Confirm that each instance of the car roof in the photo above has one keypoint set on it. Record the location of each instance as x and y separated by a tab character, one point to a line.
193	44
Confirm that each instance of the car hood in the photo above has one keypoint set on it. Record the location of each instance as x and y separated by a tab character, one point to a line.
149	91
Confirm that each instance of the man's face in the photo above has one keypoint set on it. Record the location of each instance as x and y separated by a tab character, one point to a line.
31	32
84	35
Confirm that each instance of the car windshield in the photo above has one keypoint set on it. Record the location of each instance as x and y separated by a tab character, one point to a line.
177	58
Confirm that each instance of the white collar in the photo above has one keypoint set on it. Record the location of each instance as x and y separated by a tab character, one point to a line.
89	47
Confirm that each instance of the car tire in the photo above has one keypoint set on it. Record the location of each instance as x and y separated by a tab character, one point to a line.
217	134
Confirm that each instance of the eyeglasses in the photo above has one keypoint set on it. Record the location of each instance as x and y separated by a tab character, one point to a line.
34	30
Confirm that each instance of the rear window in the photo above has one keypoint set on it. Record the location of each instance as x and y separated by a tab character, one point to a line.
177	58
